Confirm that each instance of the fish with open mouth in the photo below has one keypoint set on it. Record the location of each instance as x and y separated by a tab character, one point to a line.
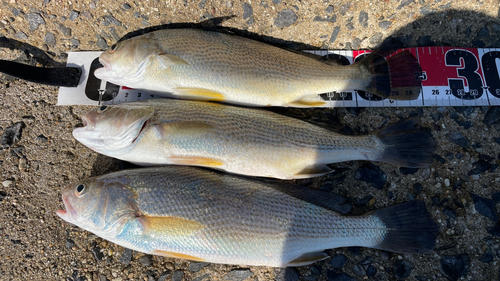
201	215
216	66
246	141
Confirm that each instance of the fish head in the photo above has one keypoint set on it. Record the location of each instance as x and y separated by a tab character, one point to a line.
112	130
125	62
99	205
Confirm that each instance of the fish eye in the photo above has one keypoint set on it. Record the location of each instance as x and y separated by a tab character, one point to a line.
102	108
113	49
80	190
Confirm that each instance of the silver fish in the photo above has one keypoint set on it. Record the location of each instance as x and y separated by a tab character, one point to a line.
241	140
197	214
215	66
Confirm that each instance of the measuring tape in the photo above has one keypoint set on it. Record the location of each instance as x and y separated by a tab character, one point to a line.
450	77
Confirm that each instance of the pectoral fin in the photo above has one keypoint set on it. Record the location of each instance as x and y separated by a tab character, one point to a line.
176	255
313	171
196	161
199	94
171	226
169	60
308	258
307	101
183	128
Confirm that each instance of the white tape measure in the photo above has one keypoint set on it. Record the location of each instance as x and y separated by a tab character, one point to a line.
450	77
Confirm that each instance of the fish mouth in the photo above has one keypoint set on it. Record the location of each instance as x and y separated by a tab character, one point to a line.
104	63
69	212
85	122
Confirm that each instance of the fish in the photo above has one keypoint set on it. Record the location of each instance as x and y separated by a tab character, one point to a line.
216	66
203	215
247	141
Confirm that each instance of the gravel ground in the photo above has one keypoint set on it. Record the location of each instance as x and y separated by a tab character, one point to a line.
39	156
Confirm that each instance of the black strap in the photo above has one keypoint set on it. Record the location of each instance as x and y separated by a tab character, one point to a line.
57	76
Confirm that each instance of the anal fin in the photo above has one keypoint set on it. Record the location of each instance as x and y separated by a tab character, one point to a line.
199	94
308	258
176	255
312	171
196	161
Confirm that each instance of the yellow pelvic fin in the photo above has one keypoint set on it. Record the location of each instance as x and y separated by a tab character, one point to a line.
307	101
308	258
199	94
302	103
168	60
196	161
176	255
183	128
172	226
312	171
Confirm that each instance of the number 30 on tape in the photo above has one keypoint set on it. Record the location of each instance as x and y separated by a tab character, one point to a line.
450	77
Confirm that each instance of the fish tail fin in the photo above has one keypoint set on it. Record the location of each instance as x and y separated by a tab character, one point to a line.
392	77
410	229
406	144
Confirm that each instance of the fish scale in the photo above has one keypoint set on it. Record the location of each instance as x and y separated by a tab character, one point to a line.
241	140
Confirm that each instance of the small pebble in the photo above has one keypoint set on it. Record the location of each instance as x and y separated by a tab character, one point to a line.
197	266
447	182
126	6
12	134
335	33
247	11
372	175
101	42
402	269
385	24
454	267
285	18
177	276
34	20
74	15
7	183
457	138
492	116
344	8
338	261
74	43
487	257
404	3
287	274
98	255
50	39
70	243
376	38
146	260
485	207
480	167
126	257
238	275
363	19
164	275
21	35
